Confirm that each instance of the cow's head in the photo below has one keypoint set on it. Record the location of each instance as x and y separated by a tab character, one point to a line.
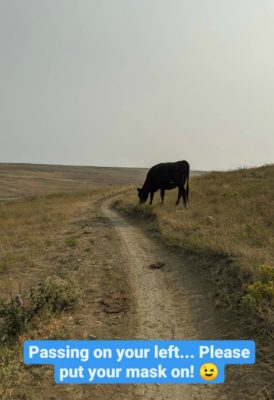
143	195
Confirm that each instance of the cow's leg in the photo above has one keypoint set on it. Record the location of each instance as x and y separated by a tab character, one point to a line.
162	195
179	195
184	196
151	197
185	191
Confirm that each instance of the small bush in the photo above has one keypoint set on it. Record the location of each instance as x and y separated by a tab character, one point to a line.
54	295
14	320
261	292
51	296
266	273
258	293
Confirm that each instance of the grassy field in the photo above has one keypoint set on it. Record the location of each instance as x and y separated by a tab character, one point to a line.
229	227
29	228
47	259
53	254
20	180
227	234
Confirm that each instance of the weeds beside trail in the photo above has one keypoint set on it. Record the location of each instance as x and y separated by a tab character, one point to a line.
228	231
21	319
50	297
32	293
59	279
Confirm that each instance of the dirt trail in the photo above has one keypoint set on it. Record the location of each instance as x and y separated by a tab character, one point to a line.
170	303
123	298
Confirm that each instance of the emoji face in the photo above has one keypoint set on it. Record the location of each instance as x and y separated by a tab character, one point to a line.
208	371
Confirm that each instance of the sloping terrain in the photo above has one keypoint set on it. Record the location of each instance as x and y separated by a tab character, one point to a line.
227	234
201	288
81	238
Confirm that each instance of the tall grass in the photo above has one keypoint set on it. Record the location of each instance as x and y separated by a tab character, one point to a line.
30	229
229	227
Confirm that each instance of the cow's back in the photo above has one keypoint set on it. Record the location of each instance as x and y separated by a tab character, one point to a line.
163	173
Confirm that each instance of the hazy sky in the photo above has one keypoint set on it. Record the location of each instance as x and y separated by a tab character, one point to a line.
136	82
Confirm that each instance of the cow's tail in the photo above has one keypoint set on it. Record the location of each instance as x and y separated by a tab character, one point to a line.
187	188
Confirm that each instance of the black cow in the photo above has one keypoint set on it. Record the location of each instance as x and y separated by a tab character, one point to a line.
166	176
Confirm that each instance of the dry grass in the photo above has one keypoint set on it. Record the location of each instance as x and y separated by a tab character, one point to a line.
228	230
41	255
229	227
228	235
20	180
46	254
30	229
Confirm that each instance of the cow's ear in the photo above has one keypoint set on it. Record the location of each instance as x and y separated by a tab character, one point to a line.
138	189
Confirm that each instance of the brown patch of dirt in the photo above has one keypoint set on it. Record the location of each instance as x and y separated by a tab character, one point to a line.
157	265
114	303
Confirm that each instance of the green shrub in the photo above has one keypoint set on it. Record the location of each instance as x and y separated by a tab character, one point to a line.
261	292
258	292
51	296
266	273
15	319
54	294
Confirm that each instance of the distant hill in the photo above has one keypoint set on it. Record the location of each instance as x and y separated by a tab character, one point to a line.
18	180
31	179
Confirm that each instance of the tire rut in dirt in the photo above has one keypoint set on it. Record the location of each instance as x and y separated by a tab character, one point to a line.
171	303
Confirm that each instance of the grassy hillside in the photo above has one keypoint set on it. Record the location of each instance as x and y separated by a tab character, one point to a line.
227	234
229	227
